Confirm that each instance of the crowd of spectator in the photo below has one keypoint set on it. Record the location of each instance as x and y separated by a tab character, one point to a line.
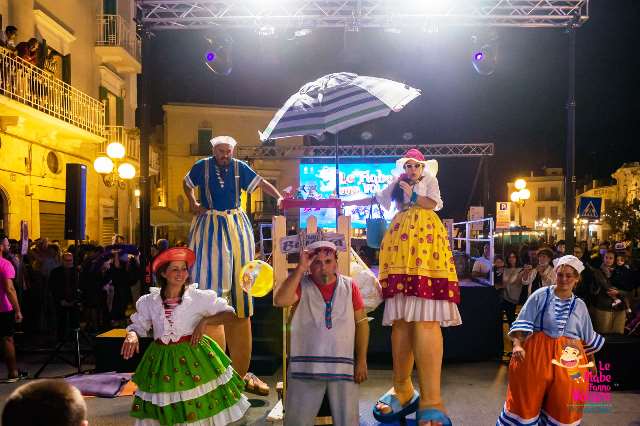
60	288
609	284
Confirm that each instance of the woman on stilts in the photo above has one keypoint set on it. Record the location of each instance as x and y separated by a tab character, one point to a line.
420	288
184	377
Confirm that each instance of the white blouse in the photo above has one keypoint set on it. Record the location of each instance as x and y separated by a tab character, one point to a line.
196	304
427	187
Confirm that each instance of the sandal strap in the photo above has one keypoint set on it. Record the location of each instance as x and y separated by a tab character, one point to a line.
392	401
433	414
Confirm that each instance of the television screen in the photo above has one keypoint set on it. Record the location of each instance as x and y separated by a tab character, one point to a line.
357	180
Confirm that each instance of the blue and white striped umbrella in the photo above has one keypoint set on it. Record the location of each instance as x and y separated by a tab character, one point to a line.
336	102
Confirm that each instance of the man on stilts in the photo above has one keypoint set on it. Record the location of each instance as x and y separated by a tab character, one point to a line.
222	238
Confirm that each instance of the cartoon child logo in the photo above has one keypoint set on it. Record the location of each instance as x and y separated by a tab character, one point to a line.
570	360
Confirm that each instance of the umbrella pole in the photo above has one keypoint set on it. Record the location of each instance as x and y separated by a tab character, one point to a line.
337	170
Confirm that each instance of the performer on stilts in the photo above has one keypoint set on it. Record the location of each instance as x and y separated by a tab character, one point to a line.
184	376
420	288
222	238
553	347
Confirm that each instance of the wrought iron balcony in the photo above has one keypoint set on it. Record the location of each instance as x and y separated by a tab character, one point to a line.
119	44
39	89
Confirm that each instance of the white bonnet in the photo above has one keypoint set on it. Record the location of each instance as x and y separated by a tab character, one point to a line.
570	260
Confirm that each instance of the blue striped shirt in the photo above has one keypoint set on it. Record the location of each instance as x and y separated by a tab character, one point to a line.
204	176
568	318
561	309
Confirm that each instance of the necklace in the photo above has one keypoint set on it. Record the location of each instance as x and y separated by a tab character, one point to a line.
219	176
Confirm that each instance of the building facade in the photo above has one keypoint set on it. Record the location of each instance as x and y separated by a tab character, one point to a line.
187	131
546	202
79	96
626	189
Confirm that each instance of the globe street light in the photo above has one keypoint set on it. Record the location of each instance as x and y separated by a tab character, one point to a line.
520	196
114	172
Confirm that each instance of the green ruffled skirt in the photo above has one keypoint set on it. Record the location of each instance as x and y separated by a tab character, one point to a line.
182	384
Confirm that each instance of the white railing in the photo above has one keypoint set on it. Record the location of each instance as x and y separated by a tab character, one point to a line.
130	138
39	89
468	239
113	30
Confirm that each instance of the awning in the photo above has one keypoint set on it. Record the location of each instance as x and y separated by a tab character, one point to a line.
164	216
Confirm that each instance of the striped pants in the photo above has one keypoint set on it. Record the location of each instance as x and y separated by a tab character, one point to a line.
223	242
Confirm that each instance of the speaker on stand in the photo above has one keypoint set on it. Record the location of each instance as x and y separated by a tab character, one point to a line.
75	212
74	229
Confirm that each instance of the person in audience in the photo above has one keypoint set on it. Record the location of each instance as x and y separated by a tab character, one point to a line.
553	347
10	314
8	38
28	50
64	284
561	248
579	252
183	365
482	265
609	303
512	285
46	402
540	276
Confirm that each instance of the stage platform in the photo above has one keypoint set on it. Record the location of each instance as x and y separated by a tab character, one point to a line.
473	392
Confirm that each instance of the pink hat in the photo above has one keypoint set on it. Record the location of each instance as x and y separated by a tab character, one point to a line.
413	154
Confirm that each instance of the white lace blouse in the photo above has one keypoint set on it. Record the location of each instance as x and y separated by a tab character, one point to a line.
427	187
196	304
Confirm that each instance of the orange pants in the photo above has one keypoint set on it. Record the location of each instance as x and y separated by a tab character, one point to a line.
541	392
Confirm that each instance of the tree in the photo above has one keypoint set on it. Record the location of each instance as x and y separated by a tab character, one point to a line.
624	218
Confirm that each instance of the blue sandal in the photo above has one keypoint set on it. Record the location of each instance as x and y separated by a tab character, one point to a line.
433	415
398	411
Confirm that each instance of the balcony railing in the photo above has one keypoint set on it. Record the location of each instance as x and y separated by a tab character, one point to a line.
32	86
113	30
130	138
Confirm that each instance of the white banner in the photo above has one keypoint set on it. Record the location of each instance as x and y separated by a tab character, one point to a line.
292	243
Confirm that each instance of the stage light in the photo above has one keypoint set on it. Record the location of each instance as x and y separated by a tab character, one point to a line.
266	31
407	136
302	32
217	56
484	54
366	135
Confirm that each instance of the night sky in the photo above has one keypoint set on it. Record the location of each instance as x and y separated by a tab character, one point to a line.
520	108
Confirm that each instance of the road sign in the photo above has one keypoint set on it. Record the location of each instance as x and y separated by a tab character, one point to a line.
590	208
503	215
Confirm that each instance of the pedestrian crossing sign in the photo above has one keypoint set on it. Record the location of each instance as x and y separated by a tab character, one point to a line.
590	207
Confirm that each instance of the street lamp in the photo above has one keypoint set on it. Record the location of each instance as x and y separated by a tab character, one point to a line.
520	197
114	172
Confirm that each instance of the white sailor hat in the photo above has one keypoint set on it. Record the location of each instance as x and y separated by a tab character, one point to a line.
570	260
223	140
321	245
